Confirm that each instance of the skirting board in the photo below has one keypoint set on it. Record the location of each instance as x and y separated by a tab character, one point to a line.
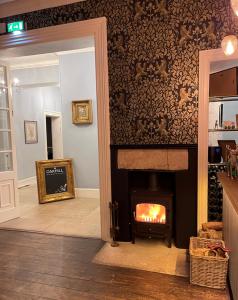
26	181
87	193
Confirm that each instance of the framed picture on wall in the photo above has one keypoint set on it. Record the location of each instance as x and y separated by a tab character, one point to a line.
55	180
31	132
82	112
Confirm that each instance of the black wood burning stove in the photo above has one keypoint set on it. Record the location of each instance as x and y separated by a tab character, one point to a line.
151	212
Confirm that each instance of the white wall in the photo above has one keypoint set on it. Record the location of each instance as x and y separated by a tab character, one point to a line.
78	82
230	109
29	104
77	78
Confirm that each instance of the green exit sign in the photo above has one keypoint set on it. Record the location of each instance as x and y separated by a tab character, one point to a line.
15	26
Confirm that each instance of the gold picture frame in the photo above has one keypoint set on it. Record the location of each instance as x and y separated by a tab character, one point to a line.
82	112
55	180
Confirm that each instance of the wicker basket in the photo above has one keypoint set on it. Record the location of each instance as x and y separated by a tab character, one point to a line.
207	271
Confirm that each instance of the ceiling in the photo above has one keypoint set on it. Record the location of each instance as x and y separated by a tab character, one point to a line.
44	54
223	65
52	47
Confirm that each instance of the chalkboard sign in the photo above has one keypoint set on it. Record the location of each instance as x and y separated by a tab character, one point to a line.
55	180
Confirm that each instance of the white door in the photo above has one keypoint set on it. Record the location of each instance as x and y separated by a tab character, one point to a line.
9	206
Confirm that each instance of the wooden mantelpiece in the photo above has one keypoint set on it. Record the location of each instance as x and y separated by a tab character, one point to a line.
185	190
153	159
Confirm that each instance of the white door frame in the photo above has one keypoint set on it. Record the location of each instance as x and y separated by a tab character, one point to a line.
57	134
206	57
98	29
9	200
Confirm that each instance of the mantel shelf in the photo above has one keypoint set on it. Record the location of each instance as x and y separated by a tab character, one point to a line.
222	130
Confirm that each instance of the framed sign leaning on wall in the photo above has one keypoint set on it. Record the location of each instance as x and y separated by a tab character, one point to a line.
55	180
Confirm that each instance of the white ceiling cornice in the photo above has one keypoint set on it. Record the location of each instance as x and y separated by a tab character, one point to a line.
34	65
34	61
42	60
84	50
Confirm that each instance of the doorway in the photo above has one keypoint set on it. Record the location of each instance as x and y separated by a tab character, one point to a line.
208	59
98	29
49	144
43	93
53	135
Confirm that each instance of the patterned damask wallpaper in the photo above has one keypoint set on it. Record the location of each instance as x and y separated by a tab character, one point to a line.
153	61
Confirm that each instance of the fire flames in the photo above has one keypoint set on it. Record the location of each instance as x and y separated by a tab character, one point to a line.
151	213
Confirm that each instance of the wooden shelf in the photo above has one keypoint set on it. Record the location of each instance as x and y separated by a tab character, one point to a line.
222	130
223	99
218	164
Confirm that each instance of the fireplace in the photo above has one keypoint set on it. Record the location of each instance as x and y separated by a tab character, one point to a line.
151	208
139	200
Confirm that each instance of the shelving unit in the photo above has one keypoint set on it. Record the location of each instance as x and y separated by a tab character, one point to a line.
218	164
214	188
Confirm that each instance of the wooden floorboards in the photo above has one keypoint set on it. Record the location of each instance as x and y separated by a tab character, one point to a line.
37	266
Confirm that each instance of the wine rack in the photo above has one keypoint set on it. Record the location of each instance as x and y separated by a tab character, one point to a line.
215	192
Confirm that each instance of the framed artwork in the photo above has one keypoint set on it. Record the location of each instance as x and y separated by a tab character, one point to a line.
55	180
31	132
82	112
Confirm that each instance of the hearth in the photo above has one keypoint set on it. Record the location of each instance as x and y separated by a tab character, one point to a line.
151	211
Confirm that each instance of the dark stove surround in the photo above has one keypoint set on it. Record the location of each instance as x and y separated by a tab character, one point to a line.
184	190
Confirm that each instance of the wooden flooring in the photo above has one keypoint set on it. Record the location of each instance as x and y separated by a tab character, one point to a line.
38	266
